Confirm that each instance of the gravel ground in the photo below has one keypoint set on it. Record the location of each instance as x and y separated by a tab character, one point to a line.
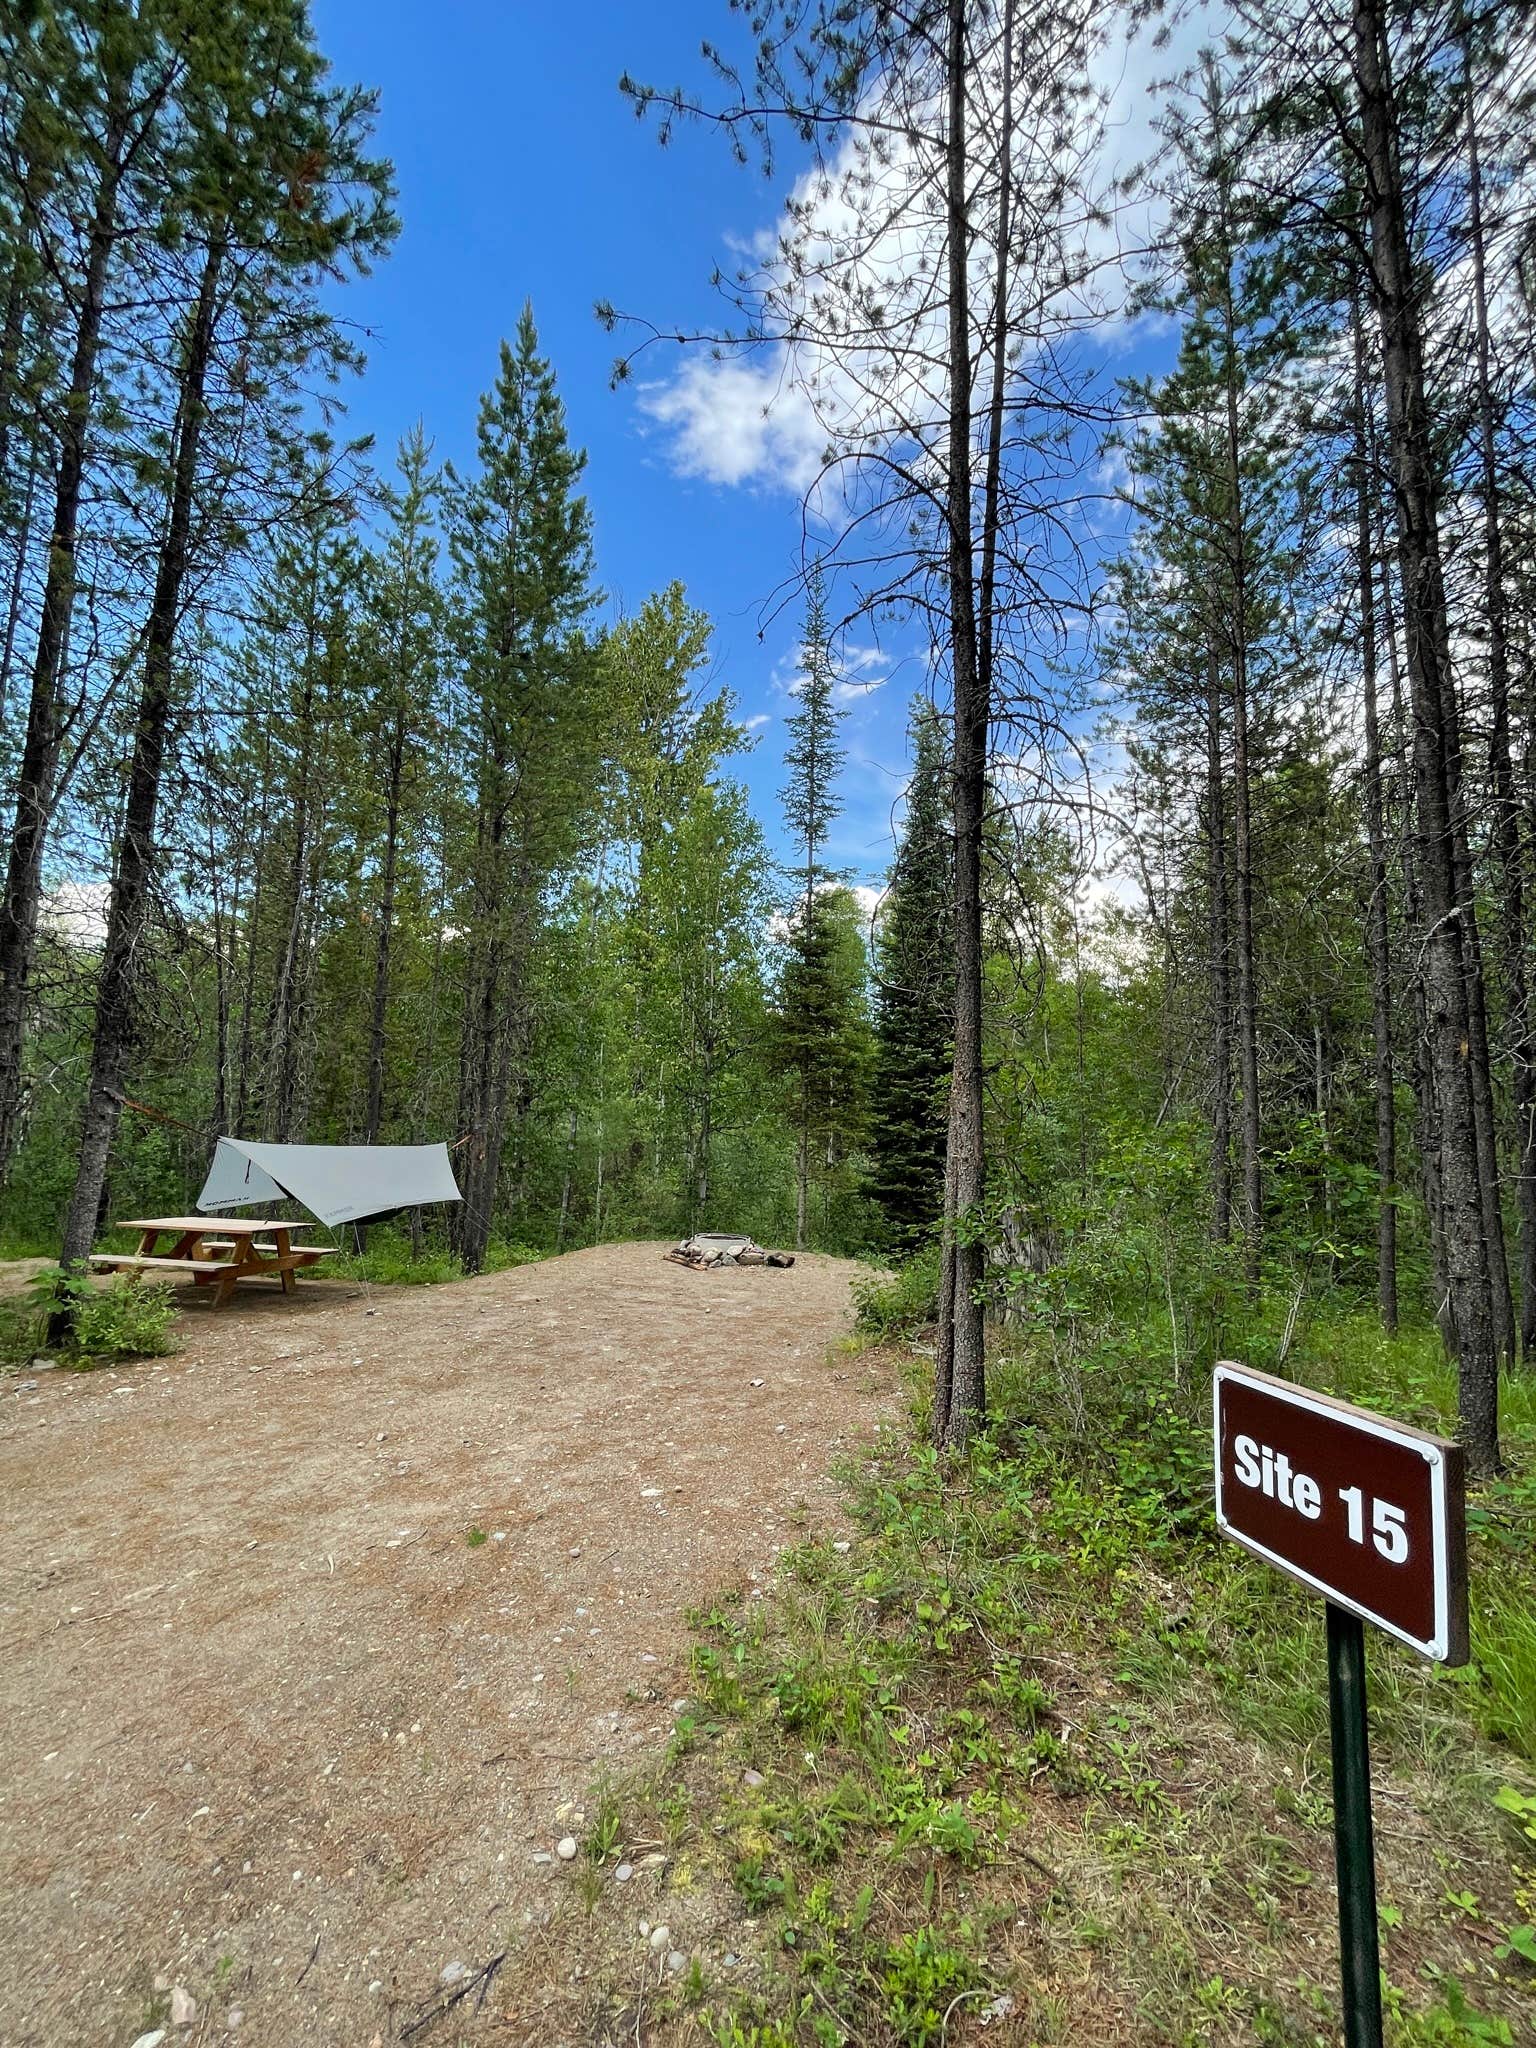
283	1743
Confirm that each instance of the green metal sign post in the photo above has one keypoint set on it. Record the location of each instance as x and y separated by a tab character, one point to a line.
1354	1845
1371	1515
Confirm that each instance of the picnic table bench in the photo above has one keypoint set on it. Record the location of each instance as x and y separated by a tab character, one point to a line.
217	1252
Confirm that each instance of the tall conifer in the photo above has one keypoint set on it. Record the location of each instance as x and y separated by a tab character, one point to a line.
914	974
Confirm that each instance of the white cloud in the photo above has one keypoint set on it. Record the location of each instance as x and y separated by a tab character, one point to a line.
865	894
868	898
757	721
860	671
737	422
868	239
75	913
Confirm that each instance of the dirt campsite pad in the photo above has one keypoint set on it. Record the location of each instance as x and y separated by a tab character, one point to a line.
316	1634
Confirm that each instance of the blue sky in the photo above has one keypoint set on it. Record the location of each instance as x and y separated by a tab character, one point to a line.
523	175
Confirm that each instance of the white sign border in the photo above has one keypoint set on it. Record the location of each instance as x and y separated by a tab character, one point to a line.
1438	1646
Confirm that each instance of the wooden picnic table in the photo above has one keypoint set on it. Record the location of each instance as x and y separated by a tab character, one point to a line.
214	1251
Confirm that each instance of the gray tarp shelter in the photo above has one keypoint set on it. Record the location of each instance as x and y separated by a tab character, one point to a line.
337	1183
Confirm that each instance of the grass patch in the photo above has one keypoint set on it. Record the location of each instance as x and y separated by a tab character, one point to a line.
1039	1747
386	1260
111	1321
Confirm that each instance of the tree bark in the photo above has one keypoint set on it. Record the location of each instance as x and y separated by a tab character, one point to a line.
1250	1121
1507	837
38	769
1378	942
116	1035
373	1115
1428	661
284	1010
1221	966
967	1401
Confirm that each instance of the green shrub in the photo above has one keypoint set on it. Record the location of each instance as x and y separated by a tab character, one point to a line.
896	1304
124	1319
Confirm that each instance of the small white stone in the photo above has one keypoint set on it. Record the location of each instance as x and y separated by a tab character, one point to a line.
150	2040
183	2007
376	1987
676	1961
661	1937
565	1848
542	1856
844	1546
234	2018
753	1778
624	1873
454	1973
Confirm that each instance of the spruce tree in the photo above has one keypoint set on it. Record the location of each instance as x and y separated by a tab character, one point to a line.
914	973
810	1051
823	1042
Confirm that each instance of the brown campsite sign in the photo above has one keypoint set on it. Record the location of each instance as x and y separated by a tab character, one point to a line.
1359	1508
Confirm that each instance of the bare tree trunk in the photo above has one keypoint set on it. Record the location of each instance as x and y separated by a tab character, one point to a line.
253	937
1250	1120
38	769
1508	846
964	1172
1427	1117
1221	969
116	1033
503	1022
18	580
1325	1134
373	1116
1428	652
572	1126
225	924
944	1337
12	329
280	1093
1378	943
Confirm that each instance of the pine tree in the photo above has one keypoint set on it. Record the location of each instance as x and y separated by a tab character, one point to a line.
822	1041
520	536
405	633
808	1049
914	972
269	172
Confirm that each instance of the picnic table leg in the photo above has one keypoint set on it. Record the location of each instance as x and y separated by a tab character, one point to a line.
225	1285
290	1283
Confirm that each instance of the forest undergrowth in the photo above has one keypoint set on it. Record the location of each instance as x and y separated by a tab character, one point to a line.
1033	1745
